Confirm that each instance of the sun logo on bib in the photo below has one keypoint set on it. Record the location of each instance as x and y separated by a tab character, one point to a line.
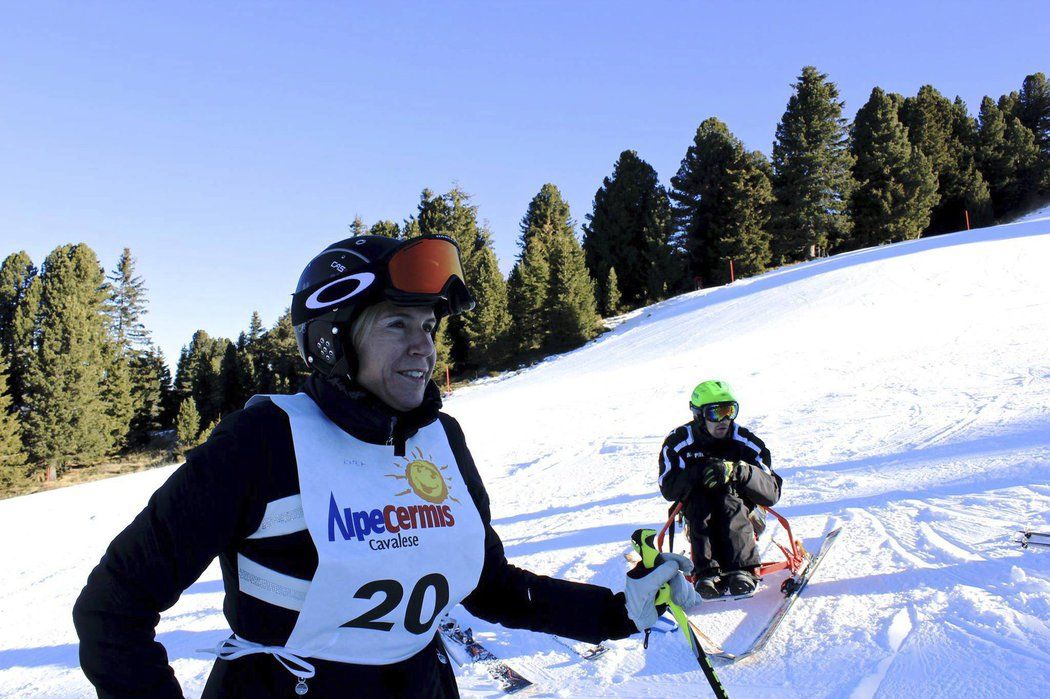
424	479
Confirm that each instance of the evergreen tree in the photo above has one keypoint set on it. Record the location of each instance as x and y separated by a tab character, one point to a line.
232	374
411	228
255	331
554	305
19	303
1010	105
279	368
722	196
1007	156
896	184
441	346
1021	144
388	229
928	120
242	381
993	159
187	426
452	214
248	359
186	368
485	327
67	417
573	316
527	290
668	262
812	171
12	456
127	305
358	227
206	432
197	375
965	192
207	381
548	215
743	233
943	135
698	190
630	220
118	394
183	385
1033	110
151	389
181	388
612	294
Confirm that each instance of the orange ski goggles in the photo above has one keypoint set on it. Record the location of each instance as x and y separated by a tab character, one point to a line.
426	267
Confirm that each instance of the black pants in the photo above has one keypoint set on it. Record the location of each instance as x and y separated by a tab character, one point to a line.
721	536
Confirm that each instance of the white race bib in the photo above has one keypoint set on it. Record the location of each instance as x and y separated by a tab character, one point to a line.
399	539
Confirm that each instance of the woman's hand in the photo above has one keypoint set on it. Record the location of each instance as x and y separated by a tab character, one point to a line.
643	584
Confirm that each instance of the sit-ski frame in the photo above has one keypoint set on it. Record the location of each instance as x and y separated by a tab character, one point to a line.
796	558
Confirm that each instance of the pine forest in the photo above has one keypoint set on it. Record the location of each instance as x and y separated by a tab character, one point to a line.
82	381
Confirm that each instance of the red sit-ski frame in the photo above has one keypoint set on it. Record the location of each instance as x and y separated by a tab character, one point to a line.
797	558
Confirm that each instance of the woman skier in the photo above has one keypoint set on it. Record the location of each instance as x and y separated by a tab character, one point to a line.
347	518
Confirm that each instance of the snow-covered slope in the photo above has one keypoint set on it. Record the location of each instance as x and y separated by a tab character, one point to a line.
905	393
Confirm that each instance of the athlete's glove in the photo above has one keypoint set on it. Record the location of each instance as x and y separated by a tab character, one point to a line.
643	584
718	473
697	471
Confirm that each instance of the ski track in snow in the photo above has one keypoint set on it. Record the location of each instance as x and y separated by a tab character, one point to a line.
905	394
899	628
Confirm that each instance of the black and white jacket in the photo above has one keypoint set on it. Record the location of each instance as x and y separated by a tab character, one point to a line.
221	496
685	450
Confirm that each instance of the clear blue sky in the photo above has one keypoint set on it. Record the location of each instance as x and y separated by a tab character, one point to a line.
226	143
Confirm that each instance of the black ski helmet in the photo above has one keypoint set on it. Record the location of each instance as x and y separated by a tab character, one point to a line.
347	277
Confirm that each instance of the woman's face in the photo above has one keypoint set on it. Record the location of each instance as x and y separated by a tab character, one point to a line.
397	355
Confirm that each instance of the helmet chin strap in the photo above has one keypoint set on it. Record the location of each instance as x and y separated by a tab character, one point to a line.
346	365
342	368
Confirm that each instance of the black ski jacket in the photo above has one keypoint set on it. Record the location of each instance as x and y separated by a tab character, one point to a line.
685	451
218	497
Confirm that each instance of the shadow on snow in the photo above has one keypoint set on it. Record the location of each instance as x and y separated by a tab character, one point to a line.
179	644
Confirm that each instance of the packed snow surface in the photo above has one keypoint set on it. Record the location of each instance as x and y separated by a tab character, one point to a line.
905	394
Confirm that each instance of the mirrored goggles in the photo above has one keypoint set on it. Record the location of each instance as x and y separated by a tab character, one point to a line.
426	267
716	412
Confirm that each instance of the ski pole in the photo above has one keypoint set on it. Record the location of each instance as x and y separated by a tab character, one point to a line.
643	542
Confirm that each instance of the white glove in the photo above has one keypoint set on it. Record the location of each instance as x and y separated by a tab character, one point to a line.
682	593
644	583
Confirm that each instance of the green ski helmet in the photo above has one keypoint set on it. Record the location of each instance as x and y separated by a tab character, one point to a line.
710	393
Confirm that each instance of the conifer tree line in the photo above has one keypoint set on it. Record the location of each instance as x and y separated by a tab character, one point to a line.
81	379
905	167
